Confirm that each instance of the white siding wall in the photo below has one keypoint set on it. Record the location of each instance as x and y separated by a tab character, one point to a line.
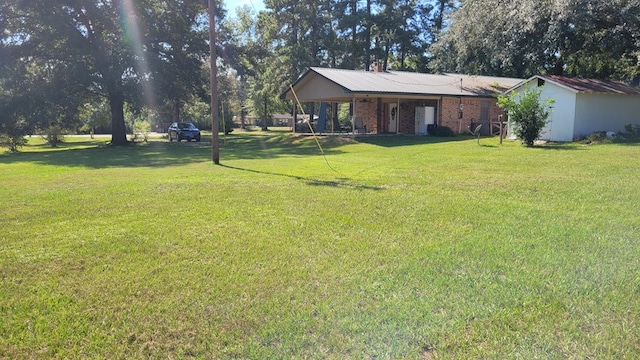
605	112
520	91
560	122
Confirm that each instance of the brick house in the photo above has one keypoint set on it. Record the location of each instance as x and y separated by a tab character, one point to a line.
397	102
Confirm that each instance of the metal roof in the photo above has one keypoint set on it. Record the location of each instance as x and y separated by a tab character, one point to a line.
593	85
580	85
398	83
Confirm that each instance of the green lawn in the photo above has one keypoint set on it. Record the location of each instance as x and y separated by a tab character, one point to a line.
392	248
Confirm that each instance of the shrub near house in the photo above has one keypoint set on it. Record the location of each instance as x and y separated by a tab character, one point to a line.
527	114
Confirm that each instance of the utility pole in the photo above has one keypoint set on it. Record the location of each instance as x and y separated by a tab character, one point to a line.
213	80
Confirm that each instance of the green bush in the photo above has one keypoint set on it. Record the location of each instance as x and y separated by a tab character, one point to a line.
141	126
442	131
53	135
527	113
141	130
632	132
13	132
12	141
597	137
228	124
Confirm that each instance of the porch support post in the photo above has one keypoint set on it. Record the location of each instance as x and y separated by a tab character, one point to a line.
294	113
353	117
439	113
398	117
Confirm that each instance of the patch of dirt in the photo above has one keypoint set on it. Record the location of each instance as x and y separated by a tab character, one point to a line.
429	353
338	140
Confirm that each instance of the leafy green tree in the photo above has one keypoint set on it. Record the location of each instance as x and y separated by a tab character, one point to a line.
12	133
37	99
178	55
493	37
439	15
521	38
348	46
399	32
604	39
527	113
265	54
265	88
273	48
80	40
95	117
244	48
112	49
14	111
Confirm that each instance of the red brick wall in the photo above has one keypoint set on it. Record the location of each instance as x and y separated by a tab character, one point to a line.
471	112
447	113
407	117
368	111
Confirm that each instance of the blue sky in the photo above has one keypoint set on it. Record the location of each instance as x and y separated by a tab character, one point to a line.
231	5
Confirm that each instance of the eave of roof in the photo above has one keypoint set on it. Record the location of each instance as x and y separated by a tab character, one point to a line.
401	83
585	86
594	85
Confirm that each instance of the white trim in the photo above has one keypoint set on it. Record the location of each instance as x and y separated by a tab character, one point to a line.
522	83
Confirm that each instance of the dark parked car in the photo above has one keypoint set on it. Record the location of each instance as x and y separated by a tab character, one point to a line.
183	131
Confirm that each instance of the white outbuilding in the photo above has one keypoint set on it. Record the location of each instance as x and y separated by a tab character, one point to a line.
584	106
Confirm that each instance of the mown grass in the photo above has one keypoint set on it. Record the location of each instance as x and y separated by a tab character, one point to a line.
392	248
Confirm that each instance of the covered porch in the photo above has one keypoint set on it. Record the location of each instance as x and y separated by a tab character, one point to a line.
397	102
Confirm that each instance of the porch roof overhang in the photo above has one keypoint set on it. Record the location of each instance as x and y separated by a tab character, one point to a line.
338	85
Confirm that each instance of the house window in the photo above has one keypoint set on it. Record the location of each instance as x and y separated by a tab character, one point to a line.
540	82
484	111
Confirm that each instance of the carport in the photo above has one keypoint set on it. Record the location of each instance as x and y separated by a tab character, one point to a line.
397	102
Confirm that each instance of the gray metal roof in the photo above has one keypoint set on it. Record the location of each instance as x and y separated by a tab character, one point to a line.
594	85
395	83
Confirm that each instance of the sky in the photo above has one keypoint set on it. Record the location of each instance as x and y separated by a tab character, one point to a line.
231	5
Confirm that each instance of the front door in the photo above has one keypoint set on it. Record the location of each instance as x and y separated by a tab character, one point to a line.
392	125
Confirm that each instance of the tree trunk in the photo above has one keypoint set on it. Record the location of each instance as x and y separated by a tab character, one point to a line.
177	106
312	111
367	40
294	113
385	61
213	84
439	20
264	121
355	52
118	129
334	117
313	51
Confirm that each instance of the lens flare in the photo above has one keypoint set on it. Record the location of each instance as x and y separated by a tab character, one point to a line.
132	26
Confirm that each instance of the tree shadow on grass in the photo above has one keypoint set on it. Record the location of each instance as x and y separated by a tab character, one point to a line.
160	153
338	183
267	145
628	143
560	146
152	154
407	140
